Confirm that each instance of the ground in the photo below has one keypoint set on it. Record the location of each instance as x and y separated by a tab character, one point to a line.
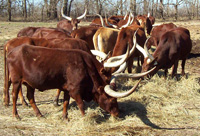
159	107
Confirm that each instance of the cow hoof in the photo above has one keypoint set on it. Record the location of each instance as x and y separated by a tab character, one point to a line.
6	104
17	117
56	104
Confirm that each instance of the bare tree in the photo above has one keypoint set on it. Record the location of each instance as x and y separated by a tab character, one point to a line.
25	9
9	10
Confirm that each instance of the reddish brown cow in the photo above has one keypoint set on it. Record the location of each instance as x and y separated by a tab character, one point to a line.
68	43
50	33
86	34
75	72
174	45
157	32
97	22
27	31
71	23
125	36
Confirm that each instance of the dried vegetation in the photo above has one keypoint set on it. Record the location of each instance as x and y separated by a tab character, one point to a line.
158	107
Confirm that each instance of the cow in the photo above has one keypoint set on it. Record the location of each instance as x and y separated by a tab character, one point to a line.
174	45
43	32
69	24
50	33
104	39
125	36
157	32
68	43
27	31
85	33
145	23
75	72
97	22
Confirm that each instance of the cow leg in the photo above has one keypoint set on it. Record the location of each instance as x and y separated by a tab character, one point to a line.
55	101
65	104
24	103
31	98
183	67
6	96
80	103
174	69
15	92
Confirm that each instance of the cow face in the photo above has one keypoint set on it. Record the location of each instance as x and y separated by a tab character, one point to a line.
149	65
74	23
107	103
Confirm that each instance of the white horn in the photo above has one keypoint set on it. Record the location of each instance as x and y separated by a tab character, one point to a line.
117	63
135	75
82	16
102	22
100	54
114	94
127	24
121	68
66	17
125	15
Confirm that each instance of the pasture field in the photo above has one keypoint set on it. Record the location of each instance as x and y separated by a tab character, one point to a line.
159	107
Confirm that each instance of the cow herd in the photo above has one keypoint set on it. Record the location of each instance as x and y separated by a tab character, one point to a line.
85	62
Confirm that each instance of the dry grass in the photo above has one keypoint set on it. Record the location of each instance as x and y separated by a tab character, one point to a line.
158	107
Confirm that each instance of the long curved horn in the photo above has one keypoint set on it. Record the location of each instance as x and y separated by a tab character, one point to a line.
127	24
125	15
147	51
114	26
82	16
114	94
135	75
64	16
131	19
121	68
102	22
117	63
99	54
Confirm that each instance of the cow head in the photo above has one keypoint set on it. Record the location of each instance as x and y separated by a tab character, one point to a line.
74	21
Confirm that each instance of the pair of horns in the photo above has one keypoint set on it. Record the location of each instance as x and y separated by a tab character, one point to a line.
69	18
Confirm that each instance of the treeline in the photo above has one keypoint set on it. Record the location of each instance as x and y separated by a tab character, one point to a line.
44	10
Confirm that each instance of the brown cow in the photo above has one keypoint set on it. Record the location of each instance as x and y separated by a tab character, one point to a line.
85	33
50	33
27	31
71	23
157	32
75	72
174	45
68	43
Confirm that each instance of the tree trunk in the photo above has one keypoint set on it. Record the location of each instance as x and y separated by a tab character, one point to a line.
69	9
121	7
65	7
97	6
9	10
53	9
48	14
145	11
197	9
161	9
25	10
176	10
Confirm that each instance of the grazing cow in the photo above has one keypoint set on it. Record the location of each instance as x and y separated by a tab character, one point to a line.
85	33
71	23
75	72
125	36
157	32
174	45
68	43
